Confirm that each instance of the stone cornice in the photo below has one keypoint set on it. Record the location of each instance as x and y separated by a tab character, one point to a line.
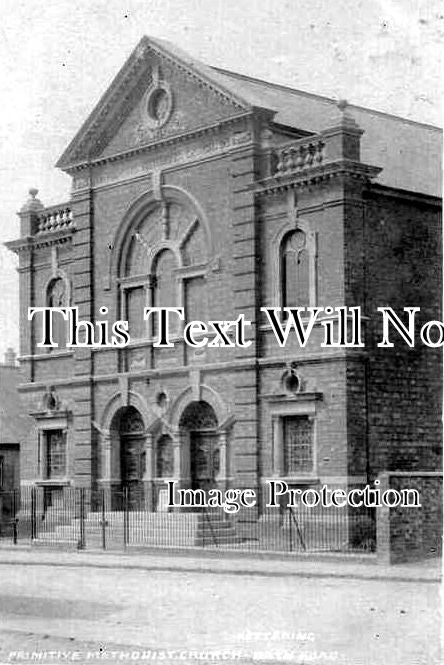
296	397
174	139
204	79
20	245
181	370
50	415
111	100
316	176
28	243
192	148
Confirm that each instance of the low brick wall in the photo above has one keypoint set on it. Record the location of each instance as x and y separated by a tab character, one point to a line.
408	534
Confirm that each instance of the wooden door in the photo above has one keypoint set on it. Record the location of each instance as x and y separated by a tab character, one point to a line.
204	458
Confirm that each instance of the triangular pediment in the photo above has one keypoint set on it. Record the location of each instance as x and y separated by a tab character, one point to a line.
158	93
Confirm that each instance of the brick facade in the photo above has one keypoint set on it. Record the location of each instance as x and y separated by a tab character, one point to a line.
175	160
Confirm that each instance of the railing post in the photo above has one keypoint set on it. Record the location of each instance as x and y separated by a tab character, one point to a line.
294	518
15	530
14	518
291	529
125	516
14	503
33	514
203	527
82	540
207	517
103	520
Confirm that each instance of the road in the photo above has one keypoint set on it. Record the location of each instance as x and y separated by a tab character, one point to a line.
116	615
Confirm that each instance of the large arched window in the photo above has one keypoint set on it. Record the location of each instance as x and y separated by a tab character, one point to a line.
57	296
162	262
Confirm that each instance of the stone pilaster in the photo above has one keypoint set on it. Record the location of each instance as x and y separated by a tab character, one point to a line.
278	456
223	474
148	476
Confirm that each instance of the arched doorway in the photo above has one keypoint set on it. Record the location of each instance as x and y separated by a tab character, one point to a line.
129	429
199	423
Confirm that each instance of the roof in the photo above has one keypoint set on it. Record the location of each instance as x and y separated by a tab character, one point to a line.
14	424
410	153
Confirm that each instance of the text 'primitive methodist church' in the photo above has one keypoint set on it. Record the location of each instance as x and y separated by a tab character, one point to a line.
200	188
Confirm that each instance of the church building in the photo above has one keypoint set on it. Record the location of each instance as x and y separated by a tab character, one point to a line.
200	188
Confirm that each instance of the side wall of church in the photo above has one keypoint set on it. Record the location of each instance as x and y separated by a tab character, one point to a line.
322	395
403	258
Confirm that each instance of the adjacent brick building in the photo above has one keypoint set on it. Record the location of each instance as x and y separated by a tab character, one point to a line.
14	428
197	187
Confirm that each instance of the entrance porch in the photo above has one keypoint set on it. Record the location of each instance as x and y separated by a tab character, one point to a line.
137	459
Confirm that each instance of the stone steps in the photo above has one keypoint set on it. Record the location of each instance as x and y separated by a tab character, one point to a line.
66	544
155	529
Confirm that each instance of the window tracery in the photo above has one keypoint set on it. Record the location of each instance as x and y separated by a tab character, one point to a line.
57	296
163	264
293	261
295	270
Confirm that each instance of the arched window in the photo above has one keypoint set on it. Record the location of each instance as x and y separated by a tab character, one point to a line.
160	261
57	296
295	270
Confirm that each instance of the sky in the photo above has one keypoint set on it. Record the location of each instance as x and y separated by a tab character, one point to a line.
57	57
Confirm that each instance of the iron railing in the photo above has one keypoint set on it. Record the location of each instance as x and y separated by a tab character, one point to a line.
120	519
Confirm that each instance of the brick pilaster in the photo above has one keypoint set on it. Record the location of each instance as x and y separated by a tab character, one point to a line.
245	301
83	298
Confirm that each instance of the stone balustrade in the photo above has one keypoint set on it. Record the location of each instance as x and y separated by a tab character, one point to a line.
339	142
54	219
299	155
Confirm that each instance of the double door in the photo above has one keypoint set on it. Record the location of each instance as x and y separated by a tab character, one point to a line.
132	468
204	459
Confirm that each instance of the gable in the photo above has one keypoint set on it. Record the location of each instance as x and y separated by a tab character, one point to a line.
159	92
171	102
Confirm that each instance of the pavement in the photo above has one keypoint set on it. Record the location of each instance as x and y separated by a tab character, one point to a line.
61	607
207	561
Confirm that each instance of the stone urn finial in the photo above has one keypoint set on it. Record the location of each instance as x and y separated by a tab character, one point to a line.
33	203
341	116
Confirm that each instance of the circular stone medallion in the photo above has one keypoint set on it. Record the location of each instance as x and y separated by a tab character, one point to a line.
159	104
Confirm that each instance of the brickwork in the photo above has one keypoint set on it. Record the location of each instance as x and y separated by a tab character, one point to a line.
404	384
409	533
215	183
